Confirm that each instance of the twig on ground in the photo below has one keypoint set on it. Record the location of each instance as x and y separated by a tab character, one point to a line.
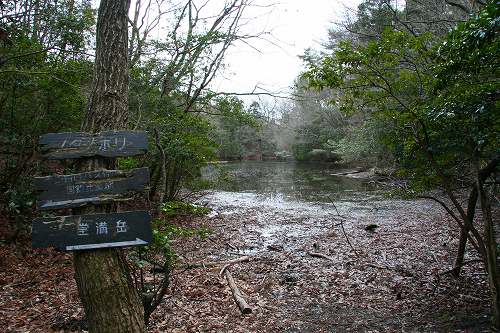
319	255
215	263
347	239
226	266
19	284
183	308
342	227
334	206
352	172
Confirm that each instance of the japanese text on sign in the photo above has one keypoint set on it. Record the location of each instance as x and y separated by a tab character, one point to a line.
102	228
99	143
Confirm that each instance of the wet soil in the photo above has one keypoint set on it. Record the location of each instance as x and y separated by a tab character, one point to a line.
388	279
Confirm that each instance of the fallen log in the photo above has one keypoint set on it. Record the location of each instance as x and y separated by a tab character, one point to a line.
215	263
238	297
352	172
319	255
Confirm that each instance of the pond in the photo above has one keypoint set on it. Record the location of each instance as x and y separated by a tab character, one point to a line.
278	201
289	181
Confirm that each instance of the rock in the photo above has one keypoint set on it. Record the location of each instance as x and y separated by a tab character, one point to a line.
371	227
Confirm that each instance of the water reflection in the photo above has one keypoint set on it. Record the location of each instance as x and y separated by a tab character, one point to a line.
286	180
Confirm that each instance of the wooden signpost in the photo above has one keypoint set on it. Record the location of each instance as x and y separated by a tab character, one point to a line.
79	232
59	146
83	232
68	191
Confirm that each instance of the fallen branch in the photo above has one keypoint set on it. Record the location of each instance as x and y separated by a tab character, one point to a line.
215	263
20	284
226	266
319	255
238	297
342	227
352	172
183	309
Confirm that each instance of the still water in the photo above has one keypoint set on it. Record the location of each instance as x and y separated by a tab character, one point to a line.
288	203
290	181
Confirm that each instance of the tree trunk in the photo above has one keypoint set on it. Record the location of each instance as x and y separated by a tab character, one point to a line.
106	290
491	254
462	243
464	232
108	102
104	283
161	178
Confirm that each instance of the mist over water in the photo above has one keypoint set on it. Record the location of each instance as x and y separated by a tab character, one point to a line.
288	181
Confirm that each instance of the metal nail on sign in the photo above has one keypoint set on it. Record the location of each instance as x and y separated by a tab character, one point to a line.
83	232
67	191
57	146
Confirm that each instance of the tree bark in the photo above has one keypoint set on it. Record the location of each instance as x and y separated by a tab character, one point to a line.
491	254
464	232
108	102
107	292
104	283
237	295
162	172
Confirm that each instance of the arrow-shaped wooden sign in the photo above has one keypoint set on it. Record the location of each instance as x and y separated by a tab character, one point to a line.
84	232
57	146
56	192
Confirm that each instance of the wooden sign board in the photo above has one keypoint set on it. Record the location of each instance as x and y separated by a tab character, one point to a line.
68	191
83	232
57	146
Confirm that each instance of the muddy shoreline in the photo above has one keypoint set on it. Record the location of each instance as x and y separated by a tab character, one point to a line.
392	282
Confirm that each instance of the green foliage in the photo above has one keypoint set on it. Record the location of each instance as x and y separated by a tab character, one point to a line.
231	110
160	253
313	122
440	98
20	200
467	86
239	132
218	176
128	163
386	74
186	141
470	52
300	151
43	75
165	233
176	208
185	138
200	184
366	143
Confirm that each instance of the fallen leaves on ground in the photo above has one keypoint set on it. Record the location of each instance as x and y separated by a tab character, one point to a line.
392	282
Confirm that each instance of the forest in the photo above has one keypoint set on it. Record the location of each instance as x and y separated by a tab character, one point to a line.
363	200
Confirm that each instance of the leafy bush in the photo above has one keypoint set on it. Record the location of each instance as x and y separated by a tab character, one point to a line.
159	256
176	208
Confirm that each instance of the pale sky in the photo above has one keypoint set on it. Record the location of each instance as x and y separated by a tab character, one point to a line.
294	25
272	64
